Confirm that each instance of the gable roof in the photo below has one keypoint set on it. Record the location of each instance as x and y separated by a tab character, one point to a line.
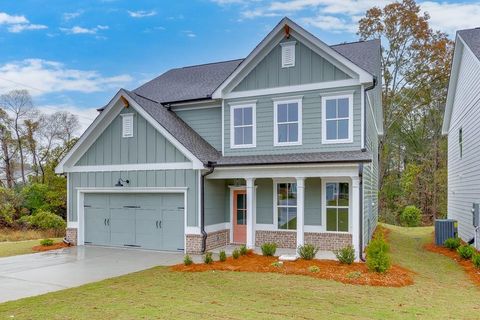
365	54
471	37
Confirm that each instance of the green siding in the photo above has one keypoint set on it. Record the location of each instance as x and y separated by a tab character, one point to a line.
207	122
309	68
146	146
142	179
313	208
215	191
312	125
264	201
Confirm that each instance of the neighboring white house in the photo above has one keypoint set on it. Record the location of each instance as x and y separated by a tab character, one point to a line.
461	124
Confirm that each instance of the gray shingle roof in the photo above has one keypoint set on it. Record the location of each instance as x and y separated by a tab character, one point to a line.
472	39
365	54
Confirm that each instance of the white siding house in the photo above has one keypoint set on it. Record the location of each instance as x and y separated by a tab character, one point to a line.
461	124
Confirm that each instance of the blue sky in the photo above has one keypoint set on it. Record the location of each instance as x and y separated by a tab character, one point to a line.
74	55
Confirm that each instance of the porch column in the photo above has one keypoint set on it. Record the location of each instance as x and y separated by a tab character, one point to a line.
355	222
250	213
300	210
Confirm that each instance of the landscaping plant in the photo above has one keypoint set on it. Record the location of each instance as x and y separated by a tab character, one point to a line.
243	250
44	220
208	258
269	249
452	243
277	264
346	255
46	242
410	216
314	269
476	259
187	260
466	251
236	253
222	256
354	275
307	251
378	259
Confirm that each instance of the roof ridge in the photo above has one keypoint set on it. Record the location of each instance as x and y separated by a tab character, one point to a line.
209	63
353	42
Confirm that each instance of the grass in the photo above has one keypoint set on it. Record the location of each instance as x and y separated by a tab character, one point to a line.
7	234
441	291
9	248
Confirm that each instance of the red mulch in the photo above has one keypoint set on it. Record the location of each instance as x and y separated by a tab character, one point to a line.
58	245
329	269
467	265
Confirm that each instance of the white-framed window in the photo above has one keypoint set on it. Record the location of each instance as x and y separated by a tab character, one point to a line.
337	118
337	206
243	125
285	198
288	54
127	125
287	118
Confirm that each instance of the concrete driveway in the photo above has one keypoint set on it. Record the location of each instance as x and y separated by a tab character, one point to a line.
33	274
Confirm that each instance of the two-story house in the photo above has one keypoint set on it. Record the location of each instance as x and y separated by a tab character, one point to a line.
278	147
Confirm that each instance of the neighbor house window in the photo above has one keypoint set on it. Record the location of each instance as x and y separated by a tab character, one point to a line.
287	122
337	116
337	206
127	125
242	128
460	141
287	206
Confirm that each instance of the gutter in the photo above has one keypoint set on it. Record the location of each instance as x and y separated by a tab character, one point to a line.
360	174
211	166
365	112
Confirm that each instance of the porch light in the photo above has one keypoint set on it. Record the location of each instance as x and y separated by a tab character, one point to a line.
121	181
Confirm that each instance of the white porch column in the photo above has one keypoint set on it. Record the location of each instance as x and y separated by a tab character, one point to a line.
300	211
355	222
250	213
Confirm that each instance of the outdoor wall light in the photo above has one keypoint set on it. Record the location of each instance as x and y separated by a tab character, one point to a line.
120	182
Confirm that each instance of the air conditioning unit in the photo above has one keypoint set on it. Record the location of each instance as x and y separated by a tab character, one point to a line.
444	229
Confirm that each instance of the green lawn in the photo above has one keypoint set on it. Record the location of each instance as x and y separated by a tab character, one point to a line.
19	247
441	291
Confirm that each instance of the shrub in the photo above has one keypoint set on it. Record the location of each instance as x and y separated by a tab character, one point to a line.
452	243
307	251
465	251
410	216
277	264
354	275
236	253
476	260
378	259
222	256
268	249
208	258
187	260
46	242
314	269
243	250
346	255
44	220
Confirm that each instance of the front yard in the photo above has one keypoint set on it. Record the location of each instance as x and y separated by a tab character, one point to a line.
441	290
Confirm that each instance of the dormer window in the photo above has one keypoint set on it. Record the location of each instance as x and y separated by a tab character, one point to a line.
288	54
127	125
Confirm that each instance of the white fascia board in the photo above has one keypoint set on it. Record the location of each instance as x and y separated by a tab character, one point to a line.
452	84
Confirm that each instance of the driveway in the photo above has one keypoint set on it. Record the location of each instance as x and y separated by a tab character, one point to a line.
33	274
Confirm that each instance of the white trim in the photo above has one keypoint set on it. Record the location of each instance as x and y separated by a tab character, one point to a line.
199	197
324	203
276	182
68	198
132	167
276	102
125	118
251	212
232	189
180	109
293	89
223	127
337	96
72	225
217	227
362	117
242	105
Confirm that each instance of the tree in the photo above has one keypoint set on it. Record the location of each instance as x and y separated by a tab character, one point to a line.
9	150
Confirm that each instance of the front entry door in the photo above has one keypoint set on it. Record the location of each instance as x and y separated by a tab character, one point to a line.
239	216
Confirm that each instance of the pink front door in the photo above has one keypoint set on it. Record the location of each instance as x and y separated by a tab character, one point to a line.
239	216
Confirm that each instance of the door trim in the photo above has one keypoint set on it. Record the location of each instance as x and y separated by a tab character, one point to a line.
233	188
235	208
81	199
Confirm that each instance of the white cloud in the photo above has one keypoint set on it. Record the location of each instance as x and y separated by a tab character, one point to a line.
141	13
450	17
85	115
330	23
189	33
43	76
18	23
82	30
5	18
16	28
67	16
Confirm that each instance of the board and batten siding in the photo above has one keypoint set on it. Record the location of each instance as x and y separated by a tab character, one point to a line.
215	197
463	172
207	122
146	146
141	179
312	124
309	68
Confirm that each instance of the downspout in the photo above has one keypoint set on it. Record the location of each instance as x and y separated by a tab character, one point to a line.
211	166
374	84
360	186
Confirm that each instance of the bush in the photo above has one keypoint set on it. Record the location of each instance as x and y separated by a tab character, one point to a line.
378	259
452	243
307	252
268	249
277	264
44	220
208	258
243	250
223	256
46	242
476	260
187	260
354	275
314	269
410	216
346	255
465	251
236	254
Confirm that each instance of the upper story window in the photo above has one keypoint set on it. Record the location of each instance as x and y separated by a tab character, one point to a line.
242	126
288	54
337	119
287	122
127	125
460	142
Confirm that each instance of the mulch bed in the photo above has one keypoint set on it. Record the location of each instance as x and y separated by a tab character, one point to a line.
58	245
467	265
356	273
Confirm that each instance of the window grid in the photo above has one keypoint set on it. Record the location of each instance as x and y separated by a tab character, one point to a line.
337	119
337	195
288	122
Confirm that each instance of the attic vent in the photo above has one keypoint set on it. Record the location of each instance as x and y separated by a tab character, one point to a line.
288	54
127	125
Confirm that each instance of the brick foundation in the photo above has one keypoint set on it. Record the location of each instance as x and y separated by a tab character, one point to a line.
71	236
214	240
283	239
287	239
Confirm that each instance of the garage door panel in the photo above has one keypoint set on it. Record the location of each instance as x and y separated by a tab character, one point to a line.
96	229
172	229
122	226
172	201
147	228
95	200
149	200
119	200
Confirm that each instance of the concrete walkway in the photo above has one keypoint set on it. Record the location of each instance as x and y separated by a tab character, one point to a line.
33	274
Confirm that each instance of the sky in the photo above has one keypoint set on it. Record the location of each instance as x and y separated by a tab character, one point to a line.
75	55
